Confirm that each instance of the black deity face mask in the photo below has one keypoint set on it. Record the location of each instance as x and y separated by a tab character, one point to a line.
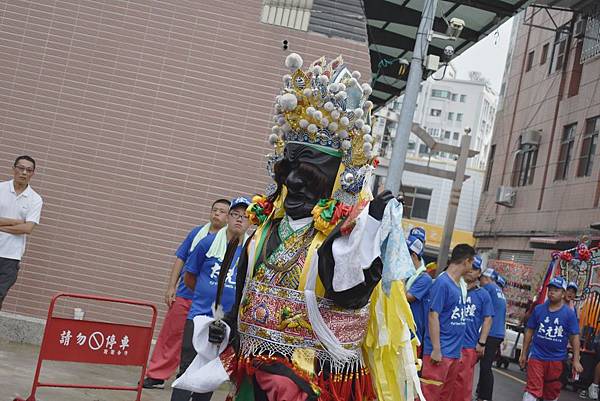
308	174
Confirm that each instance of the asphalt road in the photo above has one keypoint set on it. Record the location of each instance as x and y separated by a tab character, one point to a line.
509	384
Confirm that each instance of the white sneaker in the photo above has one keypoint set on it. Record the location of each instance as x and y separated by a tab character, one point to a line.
593	391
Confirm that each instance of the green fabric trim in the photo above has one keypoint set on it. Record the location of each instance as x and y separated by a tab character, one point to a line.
246	391
328	210
261	241
323	149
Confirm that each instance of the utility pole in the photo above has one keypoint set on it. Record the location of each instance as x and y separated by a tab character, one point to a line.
457	184
405	120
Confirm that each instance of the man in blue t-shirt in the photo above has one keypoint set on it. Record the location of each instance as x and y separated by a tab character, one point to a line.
485	386
201	274
165	357
418	286
446	327
478	318
549	330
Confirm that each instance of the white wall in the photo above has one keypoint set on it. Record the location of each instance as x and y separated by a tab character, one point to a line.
477	116
469	197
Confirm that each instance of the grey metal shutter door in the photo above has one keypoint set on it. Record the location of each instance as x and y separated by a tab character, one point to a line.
523	257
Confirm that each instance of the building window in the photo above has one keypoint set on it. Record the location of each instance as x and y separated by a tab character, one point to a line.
440	93
385	149
412	146
529	60
463	98
455	136
459	116
565	153
423	149
559	50
588	147
450	116
293	14
524	167
433	131
490	166
416	202
455	97
447	134
435	112
544	55
591	39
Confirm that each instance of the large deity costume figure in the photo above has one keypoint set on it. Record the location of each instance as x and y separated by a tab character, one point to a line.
311	319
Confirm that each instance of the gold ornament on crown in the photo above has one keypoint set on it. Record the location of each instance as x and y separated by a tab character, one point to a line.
326	107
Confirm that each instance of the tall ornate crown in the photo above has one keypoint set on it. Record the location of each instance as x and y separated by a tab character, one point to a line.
327	108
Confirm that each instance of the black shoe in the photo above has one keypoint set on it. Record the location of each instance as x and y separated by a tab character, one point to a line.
153	383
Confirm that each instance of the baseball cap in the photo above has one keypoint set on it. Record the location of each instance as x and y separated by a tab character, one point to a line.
239	201
501	281
558	282
418	232
573	285
491	273
415	245
477	262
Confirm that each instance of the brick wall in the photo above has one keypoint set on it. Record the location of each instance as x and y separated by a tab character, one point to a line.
139	114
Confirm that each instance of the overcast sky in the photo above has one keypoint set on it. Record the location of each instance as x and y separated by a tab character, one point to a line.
486	56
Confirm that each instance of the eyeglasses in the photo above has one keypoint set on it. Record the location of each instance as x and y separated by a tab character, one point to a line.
23	169
237	216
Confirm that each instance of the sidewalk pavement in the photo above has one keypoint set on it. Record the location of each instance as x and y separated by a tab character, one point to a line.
18	361
17	367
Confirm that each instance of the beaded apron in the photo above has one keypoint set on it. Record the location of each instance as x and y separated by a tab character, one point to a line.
273	322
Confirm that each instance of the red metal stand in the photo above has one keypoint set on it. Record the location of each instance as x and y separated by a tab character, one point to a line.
70	340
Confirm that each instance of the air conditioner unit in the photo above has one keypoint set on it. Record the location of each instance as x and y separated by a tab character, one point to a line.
531	137
506	196
579	29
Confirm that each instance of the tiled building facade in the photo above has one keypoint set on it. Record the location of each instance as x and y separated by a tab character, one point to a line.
140	114
545	141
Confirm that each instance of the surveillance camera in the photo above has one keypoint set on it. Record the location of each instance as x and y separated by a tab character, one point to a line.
285	45
448	53
467	130
457	23
455	27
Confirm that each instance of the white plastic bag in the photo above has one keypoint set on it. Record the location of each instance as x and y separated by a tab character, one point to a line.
206	372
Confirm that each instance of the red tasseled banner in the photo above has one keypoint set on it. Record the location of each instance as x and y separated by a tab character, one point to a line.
363	384
369	391
250	369
346	385
325	392
358	391
333	383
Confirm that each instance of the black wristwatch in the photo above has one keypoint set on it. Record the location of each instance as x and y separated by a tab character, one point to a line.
480	343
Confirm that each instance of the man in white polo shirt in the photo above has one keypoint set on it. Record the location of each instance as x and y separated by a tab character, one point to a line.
20	209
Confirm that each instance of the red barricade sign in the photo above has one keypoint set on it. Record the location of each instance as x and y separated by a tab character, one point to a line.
96	342
87	341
